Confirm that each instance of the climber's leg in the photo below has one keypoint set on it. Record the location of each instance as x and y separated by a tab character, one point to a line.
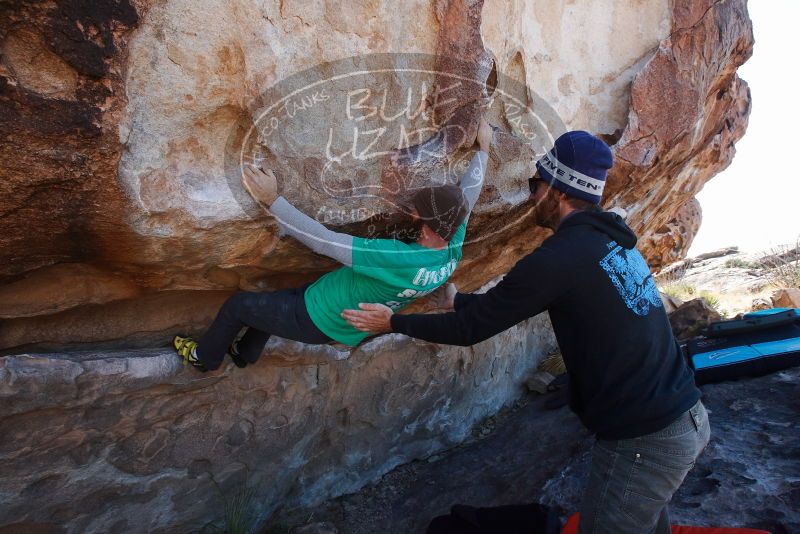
281	313
236	313
249	347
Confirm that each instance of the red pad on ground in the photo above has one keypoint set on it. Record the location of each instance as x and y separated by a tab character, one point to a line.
572	528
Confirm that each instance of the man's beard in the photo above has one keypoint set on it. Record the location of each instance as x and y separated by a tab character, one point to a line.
545	213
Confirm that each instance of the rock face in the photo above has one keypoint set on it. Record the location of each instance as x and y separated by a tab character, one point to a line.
691	317
134	442
120	150
672	241
124	127
670	149
786	298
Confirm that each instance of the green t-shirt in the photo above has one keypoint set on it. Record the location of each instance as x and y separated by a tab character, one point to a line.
385	271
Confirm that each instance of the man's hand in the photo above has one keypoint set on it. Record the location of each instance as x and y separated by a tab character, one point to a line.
485	135
372	318
262	185
444	297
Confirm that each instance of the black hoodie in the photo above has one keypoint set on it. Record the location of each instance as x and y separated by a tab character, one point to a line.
627	376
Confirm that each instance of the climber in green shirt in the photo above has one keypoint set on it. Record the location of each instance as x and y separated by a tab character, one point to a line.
389	271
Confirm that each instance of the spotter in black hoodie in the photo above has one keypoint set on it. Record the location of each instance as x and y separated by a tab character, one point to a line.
627	376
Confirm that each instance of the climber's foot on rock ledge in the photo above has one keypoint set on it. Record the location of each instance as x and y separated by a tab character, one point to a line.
186	348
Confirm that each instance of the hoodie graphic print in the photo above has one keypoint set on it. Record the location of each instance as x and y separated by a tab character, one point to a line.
631	276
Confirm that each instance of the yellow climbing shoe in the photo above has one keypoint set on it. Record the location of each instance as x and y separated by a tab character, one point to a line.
186	348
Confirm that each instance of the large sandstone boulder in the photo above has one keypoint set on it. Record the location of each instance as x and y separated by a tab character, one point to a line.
124	125
671	242
131	441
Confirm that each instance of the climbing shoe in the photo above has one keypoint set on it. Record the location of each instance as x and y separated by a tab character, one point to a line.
186	348
233	352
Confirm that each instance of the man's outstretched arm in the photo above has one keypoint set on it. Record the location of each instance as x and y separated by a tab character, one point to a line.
263	187
529	288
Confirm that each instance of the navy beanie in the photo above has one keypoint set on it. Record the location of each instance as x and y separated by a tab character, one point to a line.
577	165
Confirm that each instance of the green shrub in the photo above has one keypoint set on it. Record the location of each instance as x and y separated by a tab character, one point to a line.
240	511
238	508
739	263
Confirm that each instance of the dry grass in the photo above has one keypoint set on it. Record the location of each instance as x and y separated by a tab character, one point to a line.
679	290
782	265
674	286
553	363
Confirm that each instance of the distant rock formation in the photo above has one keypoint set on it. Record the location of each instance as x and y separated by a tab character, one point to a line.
786	298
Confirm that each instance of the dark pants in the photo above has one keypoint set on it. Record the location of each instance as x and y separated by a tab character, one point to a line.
632	480
281	313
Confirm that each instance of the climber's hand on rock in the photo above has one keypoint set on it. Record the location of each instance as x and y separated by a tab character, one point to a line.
372	318
444	297
262	185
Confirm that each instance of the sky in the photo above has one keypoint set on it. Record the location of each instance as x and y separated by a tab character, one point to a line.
755	202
